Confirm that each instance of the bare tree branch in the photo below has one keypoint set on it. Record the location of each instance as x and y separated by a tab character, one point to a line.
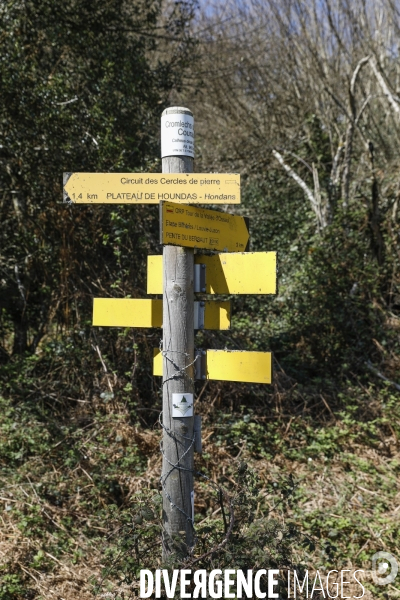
350	132
314	203
356	72
384	86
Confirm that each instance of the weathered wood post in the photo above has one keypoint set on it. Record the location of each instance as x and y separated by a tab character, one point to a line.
178	353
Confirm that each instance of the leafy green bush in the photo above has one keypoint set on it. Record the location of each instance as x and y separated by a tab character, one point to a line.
245	535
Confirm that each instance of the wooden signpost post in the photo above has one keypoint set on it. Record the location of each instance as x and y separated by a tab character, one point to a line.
178	369
178	274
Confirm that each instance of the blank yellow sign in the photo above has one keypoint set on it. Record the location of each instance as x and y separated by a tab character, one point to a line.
236	273
231	365
128	312
236	365
217	315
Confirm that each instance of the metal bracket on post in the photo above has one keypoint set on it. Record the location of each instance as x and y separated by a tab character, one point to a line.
200	365
199	283
197	434
199	314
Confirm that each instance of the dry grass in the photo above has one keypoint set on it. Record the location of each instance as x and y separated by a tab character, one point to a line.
329	487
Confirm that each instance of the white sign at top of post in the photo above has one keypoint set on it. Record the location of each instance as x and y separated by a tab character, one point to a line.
177	132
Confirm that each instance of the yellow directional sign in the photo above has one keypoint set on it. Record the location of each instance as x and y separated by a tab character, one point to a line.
237	273
231	365
194	227
152	188
128	312
236	365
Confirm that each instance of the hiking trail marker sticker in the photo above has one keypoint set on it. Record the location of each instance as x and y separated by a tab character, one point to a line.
182	405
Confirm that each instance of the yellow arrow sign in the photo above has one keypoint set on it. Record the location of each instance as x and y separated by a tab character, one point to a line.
194	227
127	312
237	273
152	188
231	365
